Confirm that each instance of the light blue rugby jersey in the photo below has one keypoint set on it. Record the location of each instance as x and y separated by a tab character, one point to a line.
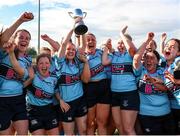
53	64
42	90
108	71
174	93
70	84
108	67
10	84
122	78
1	58
98	71
162	62
152	101
54	70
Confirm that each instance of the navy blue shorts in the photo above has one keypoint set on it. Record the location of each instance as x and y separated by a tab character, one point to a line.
12	109
97	92
56	108
176	116
157	125
78	109
42	117
126	100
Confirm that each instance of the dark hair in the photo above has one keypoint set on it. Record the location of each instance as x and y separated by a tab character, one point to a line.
156	54
21	30
16	51
41	56
176	40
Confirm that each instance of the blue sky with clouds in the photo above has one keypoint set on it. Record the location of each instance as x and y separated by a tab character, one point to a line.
105	18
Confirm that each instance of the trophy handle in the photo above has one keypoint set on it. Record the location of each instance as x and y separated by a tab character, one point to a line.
84	14
70	14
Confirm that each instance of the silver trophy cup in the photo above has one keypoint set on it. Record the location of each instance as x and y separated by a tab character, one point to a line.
80	27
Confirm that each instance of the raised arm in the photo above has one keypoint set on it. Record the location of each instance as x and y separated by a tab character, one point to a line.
138	56
162	43
107	48
9	47
30	78
82	43
127	42
86	74
62	48
5	36
54	44
105	59
81	39
108	44
67	39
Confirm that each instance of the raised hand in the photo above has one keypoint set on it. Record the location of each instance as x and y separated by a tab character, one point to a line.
26	16
105	49
81	51
76	20
163	37
109	44
82	56
9	47
124	29
31	72
45	37
5	36
150	36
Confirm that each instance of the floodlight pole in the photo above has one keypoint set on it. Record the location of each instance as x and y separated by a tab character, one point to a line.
39	26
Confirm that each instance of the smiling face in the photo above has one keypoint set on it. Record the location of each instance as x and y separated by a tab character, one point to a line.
91	43
43	65
150	62
70	51
171	50
22	39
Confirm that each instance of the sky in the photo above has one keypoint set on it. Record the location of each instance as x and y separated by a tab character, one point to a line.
105	18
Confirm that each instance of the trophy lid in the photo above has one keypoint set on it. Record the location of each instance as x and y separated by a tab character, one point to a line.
78	13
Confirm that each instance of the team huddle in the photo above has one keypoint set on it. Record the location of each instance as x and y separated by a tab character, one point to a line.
80	89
